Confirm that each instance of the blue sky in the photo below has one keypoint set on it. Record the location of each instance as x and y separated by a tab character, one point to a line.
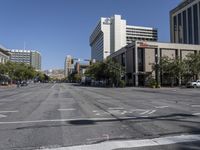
61	27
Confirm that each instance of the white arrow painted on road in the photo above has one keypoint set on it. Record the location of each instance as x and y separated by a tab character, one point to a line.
7	111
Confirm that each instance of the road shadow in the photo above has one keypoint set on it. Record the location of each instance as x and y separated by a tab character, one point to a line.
82	122
171	117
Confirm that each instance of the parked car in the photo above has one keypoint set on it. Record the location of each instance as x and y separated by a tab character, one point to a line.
3	82
24	83
194	84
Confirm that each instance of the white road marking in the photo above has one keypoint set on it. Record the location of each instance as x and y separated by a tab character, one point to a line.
94	111
144	112
161	106
138	110
66	109
151	112
144	116
53	86
2	116
111	145
115	108
123	112
66	120
7	111
196	114
195	105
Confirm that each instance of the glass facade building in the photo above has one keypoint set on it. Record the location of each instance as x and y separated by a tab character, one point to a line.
185	22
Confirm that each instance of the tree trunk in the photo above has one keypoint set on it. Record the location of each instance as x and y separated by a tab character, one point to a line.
172	82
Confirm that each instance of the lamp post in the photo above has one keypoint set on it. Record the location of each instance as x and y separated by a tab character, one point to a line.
157	67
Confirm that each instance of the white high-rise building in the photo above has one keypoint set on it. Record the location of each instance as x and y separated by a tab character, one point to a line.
113	33
29	57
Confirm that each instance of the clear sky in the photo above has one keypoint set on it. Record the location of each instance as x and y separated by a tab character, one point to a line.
62	27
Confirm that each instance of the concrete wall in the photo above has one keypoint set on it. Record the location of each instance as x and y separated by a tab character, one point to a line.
168	53
149	59
150	49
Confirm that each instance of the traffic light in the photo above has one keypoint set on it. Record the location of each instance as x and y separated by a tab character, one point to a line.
90	62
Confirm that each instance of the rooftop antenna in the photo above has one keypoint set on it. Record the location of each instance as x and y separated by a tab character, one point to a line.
24	45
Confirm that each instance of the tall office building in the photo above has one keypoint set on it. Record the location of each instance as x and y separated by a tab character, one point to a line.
185	22
29	57
113	33
68	66
36	60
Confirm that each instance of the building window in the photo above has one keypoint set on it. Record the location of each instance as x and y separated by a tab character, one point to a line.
140	59
180	29
196	30
190	25
175	28
184	28
123	59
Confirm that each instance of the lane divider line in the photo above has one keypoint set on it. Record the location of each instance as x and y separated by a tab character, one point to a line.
7	111
66	109
161	106
66	120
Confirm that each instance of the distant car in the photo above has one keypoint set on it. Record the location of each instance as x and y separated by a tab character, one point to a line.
3	83
194	84
24	83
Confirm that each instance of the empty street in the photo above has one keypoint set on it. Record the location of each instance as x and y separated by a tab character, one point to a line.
66	116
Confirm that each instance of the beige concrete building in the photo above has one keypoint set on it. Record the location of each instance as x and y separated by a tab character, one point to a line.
80	68
68	66
139	57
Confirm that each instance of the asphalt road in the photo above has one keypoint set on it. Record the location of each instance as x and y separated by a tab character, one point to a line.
65	116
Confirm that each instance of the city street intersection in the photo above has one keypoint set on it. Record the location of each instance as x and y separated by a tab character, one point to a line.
66	116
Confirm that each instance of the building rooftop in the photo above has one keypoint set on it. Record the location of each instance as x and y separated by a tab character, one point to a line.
182	4
4	50
22	51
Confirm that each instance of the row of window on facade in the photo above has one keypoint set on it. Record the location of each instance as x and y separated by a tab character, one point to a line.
186	26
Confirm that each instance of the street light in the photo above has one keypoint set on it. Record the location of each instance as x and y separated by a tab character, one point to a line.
157	67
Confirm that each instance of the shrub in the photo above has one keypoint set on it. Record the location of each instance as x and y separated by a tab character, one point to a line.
122	83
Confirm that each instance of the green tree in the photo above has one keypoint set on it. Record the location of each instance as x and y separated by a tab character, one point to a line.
3	69
172	69
108	70
192	62
18	71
